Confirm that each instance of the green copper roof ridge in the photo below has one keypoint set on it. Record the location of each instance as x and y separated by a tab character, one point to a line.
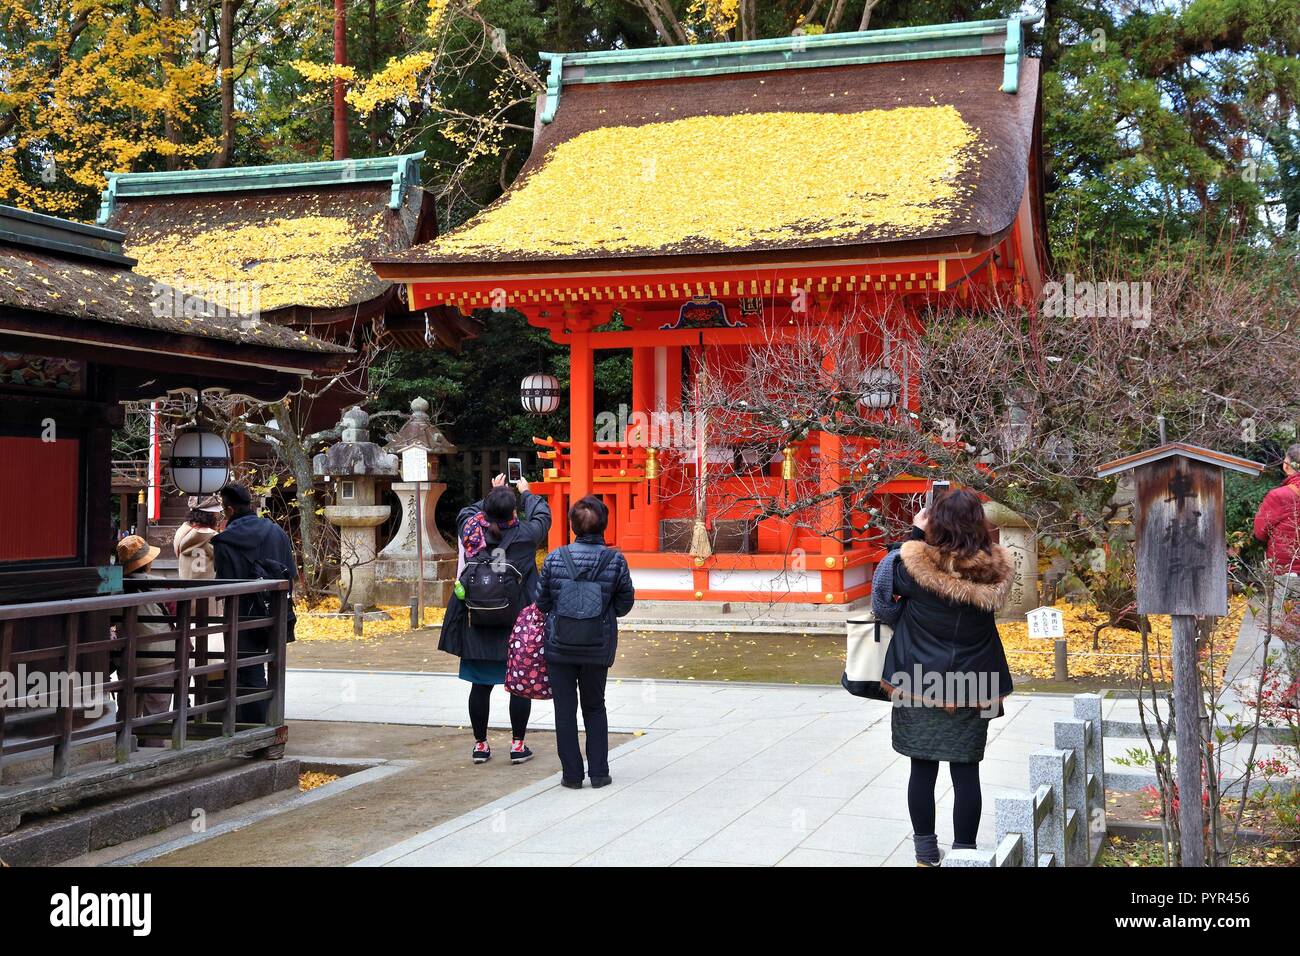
34	230
402	171
854	47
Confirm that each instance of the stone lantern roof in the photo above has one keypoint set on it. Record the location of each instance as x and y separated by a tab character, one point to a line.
354	453
419	431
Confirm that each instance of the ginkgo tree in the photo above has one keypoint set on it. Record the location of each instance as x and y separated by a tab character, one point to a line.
88	87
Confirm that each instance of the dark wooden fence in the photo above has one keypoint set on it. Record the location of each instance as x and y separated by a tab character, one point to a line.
202	722
479	465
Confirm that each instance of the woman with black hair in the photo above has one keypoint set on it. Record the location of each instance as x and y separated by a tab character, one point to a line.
509	531
946	671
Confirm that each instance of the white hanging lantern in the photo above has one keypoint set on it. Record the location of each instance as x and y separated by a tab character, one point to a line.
200	462
880	388
540	393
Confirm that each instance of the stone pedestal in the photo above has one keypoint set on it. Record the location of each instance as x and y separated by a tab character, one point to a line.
357	524
1017	537
398	566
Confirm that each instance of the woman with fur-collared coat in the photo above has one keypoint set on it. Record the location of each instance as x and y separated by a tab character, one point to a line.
946	671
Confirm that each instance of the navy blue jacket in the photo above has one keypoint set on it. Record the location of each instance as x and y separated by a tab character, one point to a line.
615	584
491	644
247	538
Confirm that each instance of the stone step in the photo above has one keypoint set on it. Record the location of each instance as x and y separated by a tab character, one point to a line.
144	809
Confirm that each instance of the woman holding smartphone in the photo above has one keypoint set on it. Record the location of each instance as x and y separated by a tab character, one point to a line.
506	531
946	671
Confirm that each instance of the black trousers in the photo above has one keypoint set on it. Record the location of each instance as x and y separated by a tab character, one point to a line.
252	679
569	683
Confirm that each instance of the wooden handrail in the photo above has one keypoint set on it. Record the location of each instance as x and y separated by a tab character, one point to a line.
170	591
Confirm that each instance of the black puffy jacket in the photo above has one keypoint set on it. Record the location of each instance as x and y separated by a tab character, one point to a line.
491	644
615	584
946	642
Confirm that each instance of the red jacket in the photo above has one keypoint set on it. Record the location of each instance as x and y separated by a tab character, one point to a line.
1278	523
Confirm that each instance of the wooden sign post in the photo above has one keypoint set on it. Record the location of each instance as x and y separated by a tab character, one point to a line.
415	469
1182	571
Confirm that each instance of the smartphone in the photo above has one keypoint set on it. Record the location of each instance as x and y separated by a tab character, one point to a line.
514	469
936	491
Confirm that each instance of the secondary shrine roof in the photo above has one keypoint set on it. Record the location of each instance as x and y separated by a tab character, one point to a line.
303	232
799	149
51	267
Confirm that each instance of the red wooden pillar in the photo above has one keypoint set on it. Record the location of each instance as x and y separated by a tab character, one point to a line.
340	59
582	413
830	514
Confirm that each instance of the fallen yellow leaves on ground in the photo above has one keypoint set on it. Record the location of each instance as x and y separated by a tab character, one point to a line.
1118	649
313	626
311	779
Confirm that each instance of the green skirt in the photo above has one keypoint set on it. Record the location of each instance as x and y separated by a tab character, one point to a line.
482	672
931	733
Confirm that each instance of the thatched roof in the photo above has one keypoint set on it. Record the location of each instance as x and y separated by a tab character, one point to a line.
56	268
302	233
669	158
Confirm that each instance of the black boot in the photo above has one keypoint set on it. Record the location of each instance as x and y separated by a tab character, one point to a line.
927	849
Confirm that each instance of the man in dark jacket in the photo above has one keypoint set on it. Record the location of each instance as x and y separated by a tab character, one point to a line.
581	671
252	547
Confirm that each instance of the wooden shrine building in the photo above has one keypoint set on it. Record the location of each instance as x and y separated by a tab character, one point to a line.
718	197
80	333
289	243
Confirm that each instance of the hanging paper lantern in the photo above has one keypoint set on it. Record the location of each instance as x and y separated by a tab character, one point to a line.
540	393
200	462
880	388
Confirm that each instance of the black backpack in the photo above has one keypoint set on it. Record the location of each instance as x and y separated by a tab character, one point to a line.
494	588
580	606
272	570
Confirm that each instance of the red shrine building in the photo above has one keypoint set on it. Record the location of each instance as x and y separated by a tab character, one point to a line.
694	204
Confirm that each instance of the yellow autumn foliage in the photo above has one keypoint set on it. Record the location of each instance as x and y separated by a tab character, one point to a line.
732	181
1118	648
94	96
307	260
399	78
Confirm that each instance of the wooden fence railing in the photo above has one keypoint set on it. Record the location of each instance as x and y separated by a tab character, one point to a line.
202	721
1061	821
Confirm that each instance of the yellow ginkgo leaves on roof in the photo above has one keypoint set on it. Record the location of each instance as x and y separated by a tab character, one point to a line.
732	181
304	260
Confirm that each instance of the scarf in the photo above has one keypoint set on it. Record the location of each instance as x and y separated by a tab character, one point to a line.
473	535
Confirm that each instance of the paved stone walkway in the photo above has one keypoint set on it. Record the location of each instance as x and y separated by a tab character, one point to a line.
723	774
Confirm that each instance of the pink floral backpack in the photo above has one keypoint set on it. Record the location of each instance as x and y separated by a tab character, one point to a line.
526	674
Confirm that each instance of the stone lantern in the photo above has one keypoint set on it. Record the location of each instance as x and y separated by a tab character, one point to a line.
398	566
356	464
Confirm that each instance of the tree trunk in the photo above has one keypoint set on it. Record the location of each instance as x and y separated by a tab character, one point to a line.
171	131
340	59
226	64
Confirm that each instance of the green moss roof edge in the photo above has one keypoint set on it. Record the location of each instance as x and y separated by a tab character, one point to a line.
401	172
34	230
801	51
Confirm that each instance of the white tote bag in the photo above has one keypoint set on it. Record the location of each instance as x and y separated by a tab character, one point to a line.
864	664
